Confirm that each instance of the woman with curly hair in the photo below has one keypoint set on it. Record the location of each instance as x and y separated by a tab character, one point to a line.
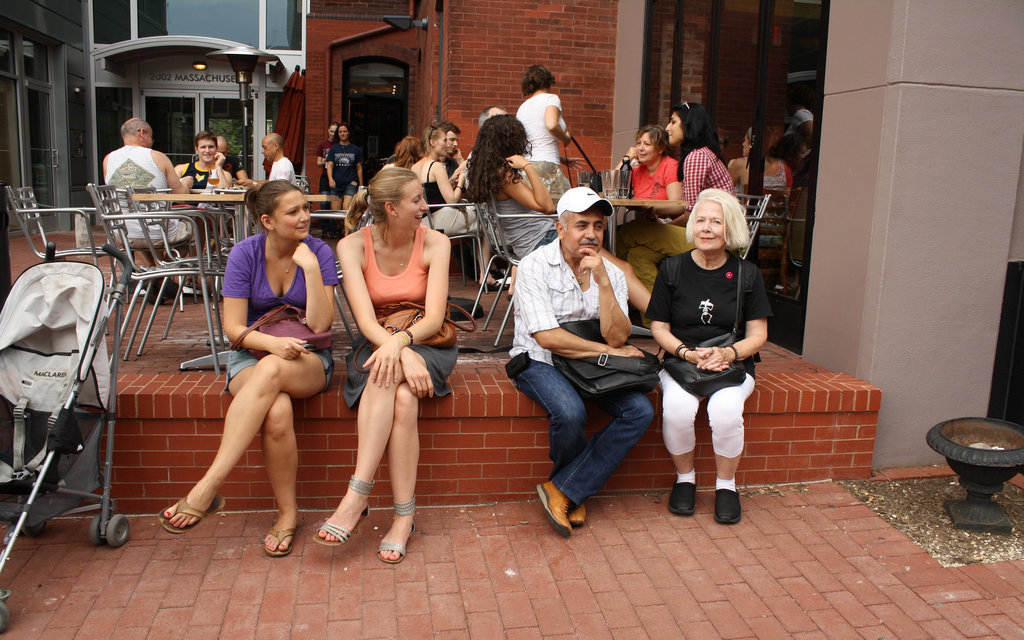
498	170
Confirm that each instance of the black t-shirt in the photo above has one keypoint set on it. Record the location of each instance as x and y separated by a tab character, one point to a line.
700	303
232	165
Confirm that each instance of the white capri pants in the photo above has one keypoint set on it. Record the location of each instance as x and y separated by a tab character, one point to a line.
725	415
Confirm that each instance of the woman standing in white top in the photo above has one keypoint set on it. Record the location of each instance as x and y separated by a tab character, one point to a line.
541	115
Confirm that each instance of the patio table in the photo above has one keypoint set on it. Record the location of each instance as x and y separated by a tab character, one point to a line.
226	198
623	206
231	198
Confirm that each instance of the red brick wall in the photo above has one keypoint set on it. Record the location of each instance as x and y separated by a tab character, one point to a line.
485	443
490	43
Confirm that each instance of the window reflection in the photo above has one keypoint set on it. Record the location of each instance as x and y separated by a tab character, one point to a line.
111	21
284	24
6	51
36	66
236	20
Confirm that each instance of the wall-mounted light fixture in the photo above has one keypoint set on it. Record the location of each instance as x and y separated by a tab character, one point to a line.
199	65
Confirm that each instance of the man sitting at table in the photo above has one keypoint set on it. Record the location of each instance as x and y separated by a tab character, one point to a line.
281	169
232	164
137	165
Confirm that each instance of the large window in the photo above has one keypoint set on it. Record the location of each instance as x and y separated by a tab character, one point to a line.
237	20
757	66
284	24
111	21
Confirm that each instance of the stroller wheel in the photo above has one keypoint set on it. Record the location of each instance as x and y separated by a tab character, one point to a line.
117	530
95	535
33	531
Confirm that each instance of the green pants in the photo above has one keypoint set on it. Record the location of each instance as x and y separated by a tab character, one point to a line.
645	244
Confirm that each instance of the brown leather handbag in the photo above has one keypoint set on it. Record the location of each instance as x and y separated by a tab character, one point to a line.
402	315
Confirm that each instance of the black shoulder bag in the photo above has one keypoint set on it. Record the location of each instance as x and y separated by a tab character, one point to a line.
702	382
596	375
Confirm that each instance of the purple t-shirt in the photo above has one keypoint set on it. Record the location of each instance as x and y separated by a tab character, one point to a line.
246	276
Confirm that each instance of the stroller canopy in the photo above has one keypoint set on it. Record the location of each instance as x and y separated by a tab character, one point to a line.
46	328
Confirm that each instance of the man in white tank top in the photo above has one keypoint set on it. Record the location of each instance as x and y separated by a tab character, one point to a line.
136	164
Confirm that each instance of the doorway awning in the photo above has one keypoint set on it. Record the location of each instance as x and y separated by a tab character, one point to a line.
113	57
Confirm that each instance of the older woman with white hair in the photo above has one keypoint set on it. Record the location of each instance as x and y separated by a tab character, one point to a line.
694	300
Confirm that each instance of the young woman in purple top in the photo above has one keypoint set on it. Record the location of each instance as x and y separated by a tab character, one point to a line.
284	264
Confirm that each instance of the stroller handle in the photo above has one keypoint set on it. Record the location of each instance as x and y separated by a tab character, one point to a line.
122	257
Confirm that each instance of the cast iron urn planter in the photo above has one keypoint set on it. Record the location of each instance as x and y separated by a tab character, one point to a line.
985	453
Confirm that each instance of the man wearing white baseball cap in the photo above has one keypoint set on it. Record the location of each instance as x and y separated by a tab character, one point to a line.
559	282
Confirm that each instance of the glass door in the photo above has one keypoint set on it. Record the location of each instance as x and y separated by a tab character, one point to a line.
223	116
9	165
173	119
43	157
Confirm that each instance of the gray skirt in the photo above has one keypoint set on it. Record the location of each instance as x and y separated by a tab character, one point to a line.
439	360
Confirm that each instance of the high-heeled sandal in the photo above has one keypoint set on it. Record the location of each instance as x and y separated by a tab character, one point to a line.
401	509
363	488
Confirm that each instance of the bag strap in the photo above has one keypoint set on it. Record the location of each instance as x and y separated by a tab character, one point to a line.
274	315
739	300
619	363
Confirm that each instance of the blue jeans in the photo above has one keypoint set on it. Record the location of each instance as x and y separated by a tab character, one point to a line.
583	466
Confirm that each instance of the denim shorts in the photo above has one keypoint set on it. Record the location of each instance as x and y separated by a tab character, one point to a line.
349	189
239	360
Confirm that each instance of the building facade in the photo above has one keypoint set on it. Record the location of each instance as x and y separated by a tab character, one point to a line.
918	137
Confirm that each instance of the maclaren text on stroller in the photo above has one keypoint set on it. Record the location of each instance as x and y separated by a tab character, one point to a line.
58	393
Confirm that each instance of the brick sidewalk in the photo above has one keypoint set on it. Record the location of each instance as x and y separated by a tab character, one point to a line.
805	562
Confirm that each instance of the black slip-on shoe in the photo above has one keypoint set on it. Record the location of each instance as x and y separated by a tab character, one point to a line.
683	499
727	506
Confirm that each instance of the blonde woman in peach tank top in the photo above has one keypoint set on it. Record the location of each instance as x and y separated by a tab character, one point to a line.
394	259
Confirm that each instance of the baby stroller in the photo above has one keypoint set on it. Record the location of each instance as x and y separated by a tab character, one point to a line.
57	395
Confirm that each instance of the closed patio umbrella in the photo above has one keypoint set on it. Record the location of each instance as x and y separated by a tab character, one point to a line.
291	120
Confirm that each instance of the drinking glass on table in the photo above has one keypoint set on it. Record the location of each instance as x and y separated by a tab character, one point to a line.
611	181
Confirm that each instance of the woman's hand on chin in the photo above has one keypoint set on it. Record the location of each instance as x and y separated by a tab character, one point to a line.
305	258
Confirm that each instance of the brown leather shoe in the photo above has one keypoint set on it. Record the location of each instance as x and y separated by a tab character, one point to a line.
555	505
578	516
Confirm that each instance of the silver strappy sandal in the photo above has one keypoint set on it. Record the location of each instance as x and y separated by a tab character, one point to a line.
401	509
363	488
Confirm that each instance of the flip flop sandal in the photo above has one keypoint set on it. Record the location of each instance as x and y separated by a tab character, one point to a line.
183	507
281	535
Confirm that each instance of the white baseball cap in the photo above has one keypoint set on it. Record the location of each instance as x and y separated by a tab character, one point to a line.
580	199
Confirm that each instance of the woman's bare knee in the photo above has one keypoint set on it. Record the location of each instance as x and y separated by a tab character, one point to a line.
278	423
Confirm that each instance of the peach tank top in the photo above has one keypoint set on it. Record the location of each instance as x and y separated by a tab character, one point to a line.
410	285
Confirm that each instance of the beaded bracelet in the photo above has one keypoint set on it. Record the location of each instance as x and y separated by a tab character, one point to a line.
735	353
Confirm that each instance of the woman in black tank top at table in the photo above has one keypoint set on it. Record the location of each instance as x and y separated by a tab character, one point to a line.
438	189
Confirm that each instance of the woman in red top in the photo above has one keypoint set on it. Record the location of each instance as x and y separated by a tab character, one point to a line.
656	176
